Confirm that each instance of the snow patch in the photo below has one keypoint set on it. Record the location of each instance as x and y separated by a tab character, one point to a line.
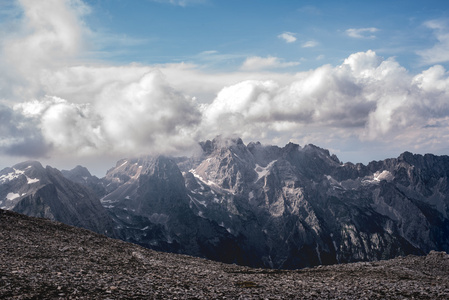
378	177
196	201
385	175
261	171
209	182
12	196
32	180
10	176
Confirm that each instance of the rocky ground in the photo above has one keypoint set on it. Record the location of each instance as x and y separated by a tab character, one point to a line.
40	259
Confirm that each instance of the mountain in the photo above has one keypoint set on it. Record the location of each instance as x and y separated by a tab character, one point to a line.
41	259
31	189
284	207
81	175
148	199
262	206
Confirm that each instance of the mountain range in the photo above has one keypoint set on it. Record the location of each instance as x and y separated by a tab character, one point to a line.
251	204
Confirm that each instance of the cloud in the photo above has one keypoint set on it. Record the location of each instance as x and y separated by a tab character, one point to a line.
209	52
362	33
269	62
366	96
53	104
50	33
288	37
182	3
439	53
20	136
146	116
309	44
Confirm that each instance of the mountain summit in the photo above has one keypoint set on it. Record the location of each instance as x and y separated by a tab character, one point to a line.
31	189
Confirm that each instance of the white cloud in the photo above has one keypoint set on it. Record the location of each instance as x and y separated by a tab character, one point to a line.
182	3
310	44
439	53
51	34
366	97
123	118
209	52
269	62
361	33
288	37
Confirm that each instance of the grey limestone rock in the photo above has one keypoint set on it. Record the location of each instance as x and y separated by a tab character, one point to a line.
31	189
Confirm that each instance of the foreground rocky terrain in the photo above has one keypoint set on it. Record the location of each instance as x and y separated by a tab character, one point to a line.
43	259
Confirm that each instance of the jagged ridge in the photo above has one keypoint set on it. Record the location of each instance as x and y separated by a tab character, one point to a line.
268	206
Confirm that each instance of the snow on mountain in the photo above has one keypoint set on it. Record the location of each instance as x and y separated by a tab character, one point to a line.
31	189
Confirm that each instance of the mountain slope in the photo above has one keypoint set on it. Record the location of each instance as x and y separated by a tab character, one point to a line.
148	199
34	190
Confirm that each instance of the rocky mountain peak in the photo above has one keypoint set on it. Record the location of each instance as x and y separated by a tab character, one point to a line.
31	189
78	171
220	143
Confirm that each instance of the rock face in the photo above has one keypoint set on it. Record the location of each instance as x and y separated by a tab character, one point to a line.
289	207
33	190
81	175
149	201
40	259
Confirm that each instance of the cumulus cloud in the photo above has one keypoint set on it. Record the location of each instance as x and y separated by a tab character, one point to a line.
20	136
146	116
366	96
362	33
50	34
439	53
288	37
62	106
269	62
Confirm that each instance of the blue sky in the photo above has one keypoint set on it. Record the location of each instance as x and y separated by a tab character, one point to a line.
159	32
90	82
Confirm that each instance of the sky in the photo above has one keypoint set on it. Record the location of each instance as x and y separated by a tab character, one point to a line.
91	82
